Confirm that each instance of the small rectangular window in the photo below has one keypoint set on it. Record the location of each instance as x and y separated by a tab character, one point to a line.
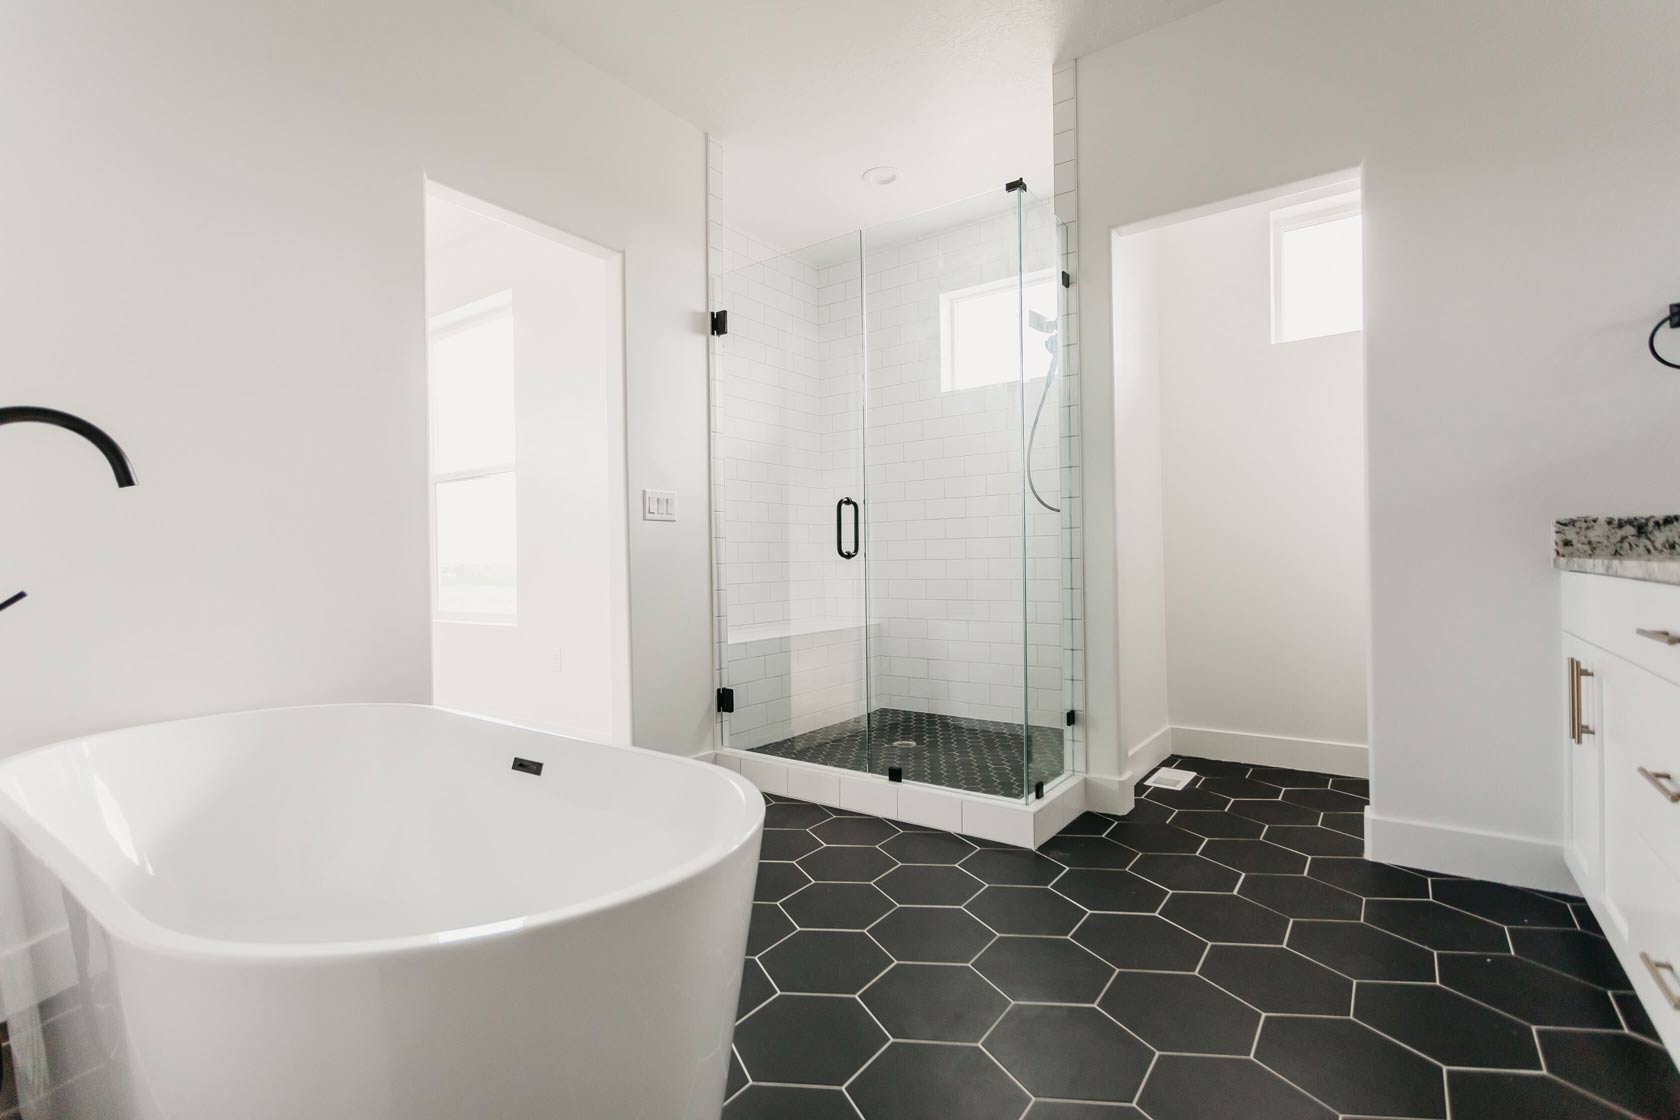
1317	283
980	330
474	482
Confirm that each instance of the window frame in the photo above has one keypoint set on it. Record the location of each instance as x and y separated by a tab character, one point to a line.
1331	207
948	302
439	327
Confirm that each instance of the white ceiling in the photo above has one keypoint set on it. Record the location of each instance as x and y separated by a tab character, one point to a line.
805	95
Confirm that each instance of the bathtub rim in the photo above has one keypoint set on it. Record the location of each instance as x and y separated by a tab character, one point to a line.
127	924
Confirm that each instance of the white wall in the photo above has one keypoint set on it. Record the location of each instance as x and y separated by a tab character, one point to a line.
1518	198
212	234
1263	494
561	662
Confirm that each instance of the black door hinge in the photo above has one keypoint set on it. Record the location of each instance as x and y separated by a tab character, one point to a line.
1070	717
720	322
1038	790
1067	281
726	700
1015	185
895	773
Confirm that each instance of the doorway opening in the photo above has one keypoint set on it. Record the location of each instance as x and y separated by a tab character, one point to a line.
525	399
1241	466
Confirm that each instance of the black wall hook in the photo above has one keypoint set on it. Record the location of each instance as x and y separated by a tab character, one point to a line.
1672	321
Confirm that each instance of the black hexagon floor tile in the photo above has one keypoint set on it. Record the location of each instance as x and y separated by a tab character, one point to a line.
1446	1026
847	864
1290	779
1623	1069
1325	800
931	934
807	1040
1277	980
755	988
854	830
1087	851
787	844
1311	840
1120	891
769	925
1149	836
1030	910
1081	1110
928	847
1353	824
1635	1019
1361	952
1225	917
1180	1012
1495	1094
935	1081
1043	969
1195	1010
1352	1068
1185	873
779	1102
1141	941
1301	897
1435	926
1075	1053
1184	1087
914	884
1584	956
1276	812
778	880
832	962
1242	788
1012	867
793	814
1367	879
1255	857
1190	797
836	906
1217	826
1089	824
1511	906
1533	993
935	1002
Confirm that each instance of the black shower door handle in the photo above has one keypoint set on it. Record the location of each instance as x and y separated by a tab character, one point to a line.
839	532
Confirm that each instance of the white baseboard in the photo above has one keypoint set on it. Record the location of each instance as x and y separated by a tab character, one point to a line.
1350	760
1148	754
1110	795
1519	860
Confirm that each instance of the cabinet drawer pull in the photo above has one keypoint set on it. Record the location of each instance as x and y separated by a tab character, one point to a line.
1577	726
1662	636
1664	781
1656	969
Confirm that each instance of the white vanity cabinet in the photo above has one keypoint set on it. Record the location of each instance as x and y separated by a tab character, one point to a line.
1621	722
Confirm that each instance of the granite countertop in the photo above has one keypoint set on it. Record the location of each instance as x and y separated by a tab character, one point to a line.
1646	548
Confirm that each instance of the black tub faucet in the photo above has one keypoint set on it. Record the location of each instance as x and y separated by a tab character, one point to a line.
108	447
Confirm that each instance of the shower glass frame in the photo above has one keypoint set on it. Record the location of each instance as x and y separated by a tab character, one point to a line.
947	649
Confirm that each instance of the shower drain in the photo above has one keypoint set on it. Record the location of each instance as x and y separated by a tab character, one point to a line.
904	742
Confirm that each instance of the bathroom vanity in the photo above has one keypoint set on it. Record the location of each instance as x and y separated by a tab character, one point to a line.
1621	720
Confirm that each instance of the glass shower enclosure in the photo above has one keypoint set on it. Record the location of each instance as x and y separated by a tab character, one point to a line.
895	489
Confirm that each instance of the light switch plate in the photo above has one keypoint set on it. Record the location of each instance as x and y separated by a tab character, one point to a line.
659	505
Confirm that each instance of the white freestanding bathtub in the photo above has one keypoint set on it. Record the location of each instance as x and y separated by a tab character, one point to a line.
361	912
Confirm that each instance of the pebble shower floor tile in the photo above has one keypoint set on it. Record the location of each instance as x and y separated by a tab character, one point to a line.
1220	953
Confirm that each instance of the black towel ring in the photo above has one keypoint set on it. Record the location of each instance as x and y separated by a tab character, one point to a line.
1672	319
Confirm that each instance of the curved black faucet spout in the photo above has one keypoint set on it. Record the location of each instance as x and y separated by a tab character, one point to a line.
25	413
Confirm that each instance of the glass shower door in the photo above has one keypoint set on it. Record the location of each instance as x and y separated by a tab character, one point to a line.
948	660
789	500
